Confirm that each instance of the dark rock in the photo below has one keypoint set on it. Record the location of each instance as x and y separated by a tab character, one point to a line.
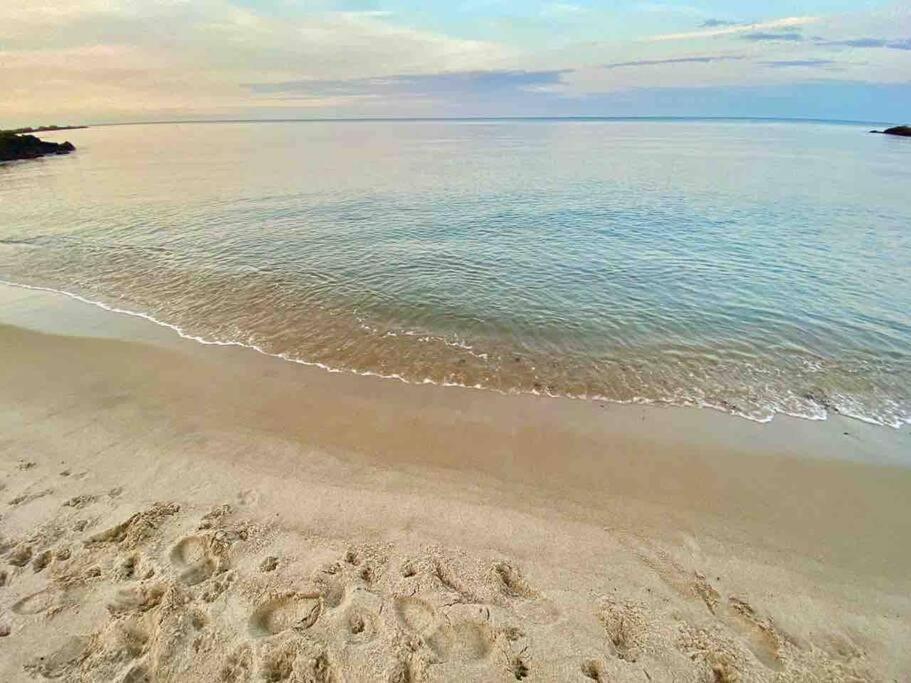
903	131
13	146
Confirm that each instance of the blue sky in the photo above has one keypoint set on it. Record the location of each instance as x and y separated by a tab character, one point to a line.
121	60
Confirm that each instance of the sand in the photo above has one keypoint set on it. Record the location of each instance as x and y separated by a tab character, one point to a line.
178	512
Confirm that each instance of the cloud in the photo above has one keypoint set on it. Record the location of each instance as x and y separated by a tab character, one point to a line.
787	22
190	56
446	85
104	60
759	36
715	23
890	44
702	59
798	63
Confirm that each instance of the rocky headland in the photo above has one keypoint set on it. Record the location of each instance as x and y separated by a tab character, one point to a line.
15	146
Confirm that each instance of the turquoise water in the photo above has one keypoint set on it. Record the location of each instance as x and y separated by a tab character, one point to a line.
755	267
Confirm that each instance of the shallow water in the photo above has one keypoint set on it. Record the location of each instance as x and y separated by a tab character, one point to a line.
756	267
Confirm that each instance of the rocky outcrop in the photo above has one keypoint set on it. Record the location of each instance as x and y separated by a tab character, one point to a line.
903	131
13	146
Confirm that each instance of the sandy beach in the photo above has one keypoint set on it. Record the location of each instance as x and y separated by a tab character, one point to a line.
179	512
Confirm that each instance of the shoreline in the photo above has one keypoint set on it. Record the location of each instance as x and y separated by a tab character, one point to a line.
827	412
469	534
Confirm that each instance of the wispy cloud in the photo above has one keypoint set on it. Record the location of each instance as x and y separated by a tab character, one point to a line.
466	83
701	59
761	36
799	63
712	32
716	23
889	44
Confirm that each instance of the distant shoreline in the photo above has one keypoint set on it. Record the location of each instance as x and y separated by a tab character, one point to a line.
40	129
495	119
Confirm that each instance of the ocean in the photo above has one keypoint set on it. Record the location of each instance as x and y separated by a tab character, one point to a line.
756	267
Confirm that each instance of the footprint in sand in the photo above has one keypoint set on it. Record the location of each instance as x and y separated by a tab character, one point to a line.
140	598
358	614
510	581
130	638
20	555
36	603
193	560
723	660
360	625
761	636
63	662
461	642
24	498
248	497
294	610
529	603
416	615
593	670
627	628
41	561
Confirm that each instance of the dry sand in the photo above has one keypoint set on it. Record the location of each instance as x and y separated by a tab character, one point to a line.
174	512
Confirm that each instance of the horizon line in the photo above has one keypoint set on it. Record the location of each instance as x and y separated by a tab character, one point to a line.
417	119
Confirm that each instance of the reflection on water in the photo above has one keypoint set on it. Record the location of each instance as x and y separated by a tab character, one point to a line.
754	267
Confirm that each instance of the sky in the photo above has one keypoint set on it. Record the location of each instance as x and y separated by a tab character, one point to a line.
97	61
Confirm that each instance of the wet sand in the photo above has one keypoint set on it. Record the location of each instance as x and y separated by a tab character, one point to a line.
173	511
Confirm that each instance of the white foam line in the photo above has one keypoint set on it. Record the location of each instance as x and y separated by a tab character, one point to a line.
445	383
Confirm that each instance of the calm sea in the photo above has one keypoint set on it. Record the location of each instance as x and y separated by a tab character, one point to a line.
755	267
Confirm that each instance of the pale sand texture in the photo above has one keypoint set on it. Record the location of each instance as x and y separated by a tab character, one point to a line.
177	512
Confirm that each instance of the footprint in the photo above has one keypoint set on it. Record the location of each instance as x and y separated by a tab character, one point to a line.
137	599
510	582
133	567
29	497
723	659
193	559
762	637
80	501
41	561
593	670
238	665
416	615
704	590
461	642
626	628
132	639
63	661
36	603
360	625
449	579
20	555
216	587
540	611
294	610
215	517
138	527
248	497
517	667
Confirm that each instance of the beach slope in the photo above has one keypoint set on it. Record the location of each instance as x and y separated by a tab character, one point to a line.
177	512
